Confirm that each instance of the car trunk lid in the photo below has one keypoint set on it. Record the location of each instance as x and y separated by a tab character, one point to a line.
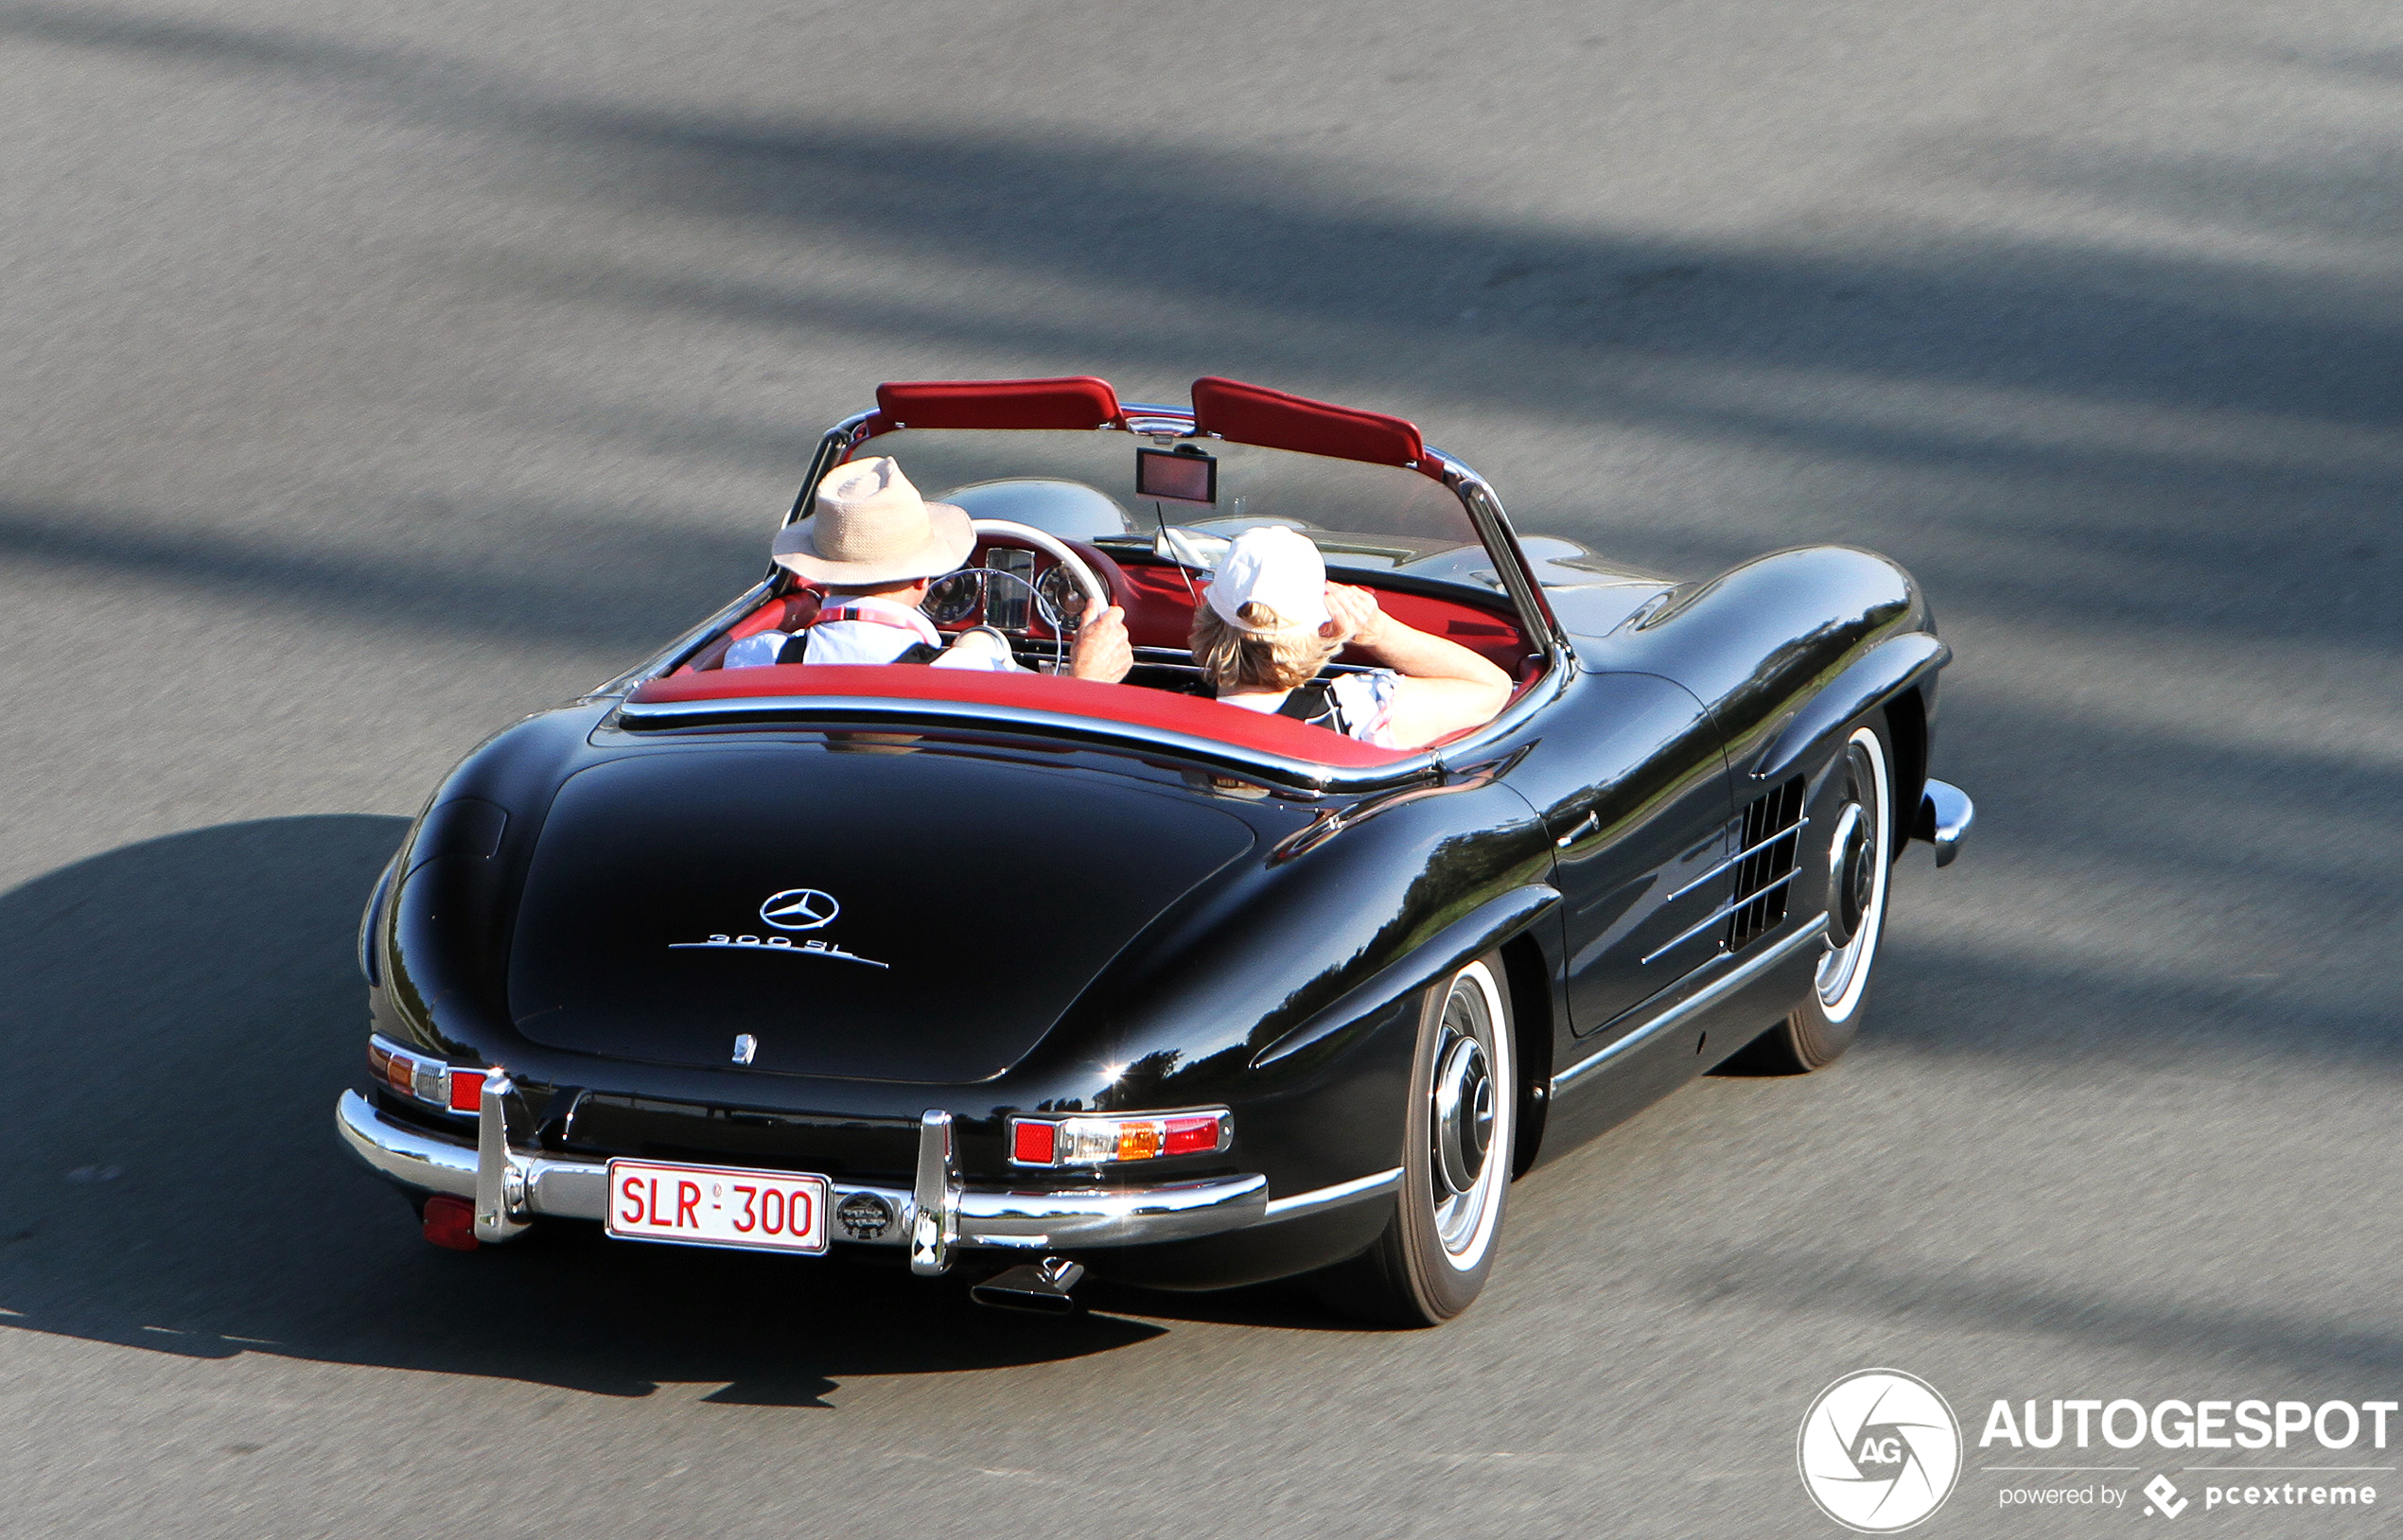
872	911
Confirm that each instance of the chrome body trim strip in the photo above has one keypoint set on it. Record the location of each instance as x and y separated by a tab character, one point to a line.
1319	1199
1793	830
579	1189
1694	1003
1946	813
1725	910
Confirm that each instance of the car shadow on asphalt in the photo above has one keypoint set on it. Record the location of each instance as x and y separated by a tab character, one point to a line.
179	1015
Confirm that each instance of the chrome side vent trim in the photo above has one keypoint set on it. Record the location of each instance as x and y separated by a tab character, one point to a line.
1772	832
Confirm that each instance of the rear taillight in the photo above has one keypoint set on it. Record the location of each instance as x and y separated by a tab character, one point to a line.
1109	1141
428	1080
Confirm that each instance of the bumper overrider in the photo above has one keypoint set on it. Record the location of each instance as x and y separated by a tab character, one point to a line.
936	1214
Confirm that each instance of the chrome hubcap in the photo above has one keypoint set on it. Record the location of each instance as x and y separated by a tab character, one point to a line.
1845	896
1468	1122
1464	1116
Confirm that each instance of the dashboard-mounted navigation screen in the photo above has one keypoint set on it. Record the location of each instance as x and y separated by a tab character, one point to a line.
1177	477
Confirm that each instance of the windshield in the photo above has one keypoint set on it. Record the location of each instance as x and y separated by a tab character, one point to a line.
1083	485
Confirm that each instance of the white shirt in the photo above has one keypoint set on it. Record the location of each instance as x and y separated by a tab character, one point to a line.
883	633
1365	701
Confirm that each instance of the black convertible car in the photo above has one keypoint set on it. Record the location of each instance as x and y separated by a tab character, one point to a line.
1025	974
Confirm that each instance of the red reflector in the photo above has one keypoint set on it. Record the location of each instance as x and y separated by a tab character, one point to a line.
380	1063
451	1223
466	1089
1034	1144
400	1073
1191	1136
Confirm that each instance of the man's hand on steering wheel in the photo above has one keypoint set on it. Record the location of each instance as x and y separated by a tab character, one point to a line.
1102	651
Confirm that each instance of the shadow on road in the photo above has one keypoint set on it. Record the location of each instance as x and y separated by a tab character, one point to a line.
177	1017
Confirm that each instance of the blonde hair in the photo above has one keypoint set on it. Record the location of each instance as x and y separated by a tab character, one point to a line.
1233	658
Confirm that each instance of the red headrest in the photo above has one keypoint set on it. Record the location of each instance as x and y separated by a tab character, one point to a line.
1078	401
1273	420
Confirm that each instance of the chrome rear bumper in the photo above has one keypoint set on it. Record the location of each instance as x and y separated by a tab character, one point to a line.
937	1213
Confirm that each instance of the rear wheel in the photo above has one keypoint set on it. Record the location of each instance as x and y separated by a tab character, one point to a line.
1859	855
1460	1128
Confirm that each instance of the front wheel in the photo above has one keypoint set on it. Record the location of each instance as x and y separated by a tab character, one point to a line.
1460	1128
1860	872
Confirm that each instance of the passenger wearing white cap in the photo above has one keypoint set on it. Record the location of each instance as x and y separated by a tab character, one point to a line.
1270	621
875	546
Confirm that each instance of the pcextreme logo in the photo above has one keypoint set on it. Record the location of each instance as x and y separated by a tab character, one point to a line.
1878	1451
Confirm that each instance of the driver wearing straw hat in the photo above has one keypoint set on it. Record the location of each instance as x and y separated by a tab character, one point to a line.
876	547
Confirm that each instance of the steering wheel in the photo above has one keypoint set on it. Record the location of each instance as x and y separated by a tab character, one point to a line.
1096	592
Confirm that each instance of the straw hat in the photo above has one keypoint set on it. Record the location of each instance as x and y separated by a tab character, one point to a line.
872	527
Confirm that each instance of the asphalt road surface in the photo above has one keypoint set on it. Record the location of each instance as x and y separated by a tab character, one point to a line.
372	375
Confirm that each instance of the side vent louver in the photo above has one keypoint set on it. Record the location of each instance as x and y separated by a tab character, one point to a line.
1772	835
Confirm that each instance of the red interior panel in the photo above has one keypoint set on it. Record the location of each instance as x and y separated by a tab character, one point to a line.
1481	631
1273	420
1159	605
1158	708
1077	401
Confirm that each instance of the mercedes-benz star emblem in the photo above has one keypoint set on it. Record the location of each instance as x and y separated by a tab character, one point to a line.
799	909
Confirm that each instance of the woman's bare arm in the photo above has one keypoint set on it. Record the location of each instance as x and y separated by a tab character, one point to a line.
1445	687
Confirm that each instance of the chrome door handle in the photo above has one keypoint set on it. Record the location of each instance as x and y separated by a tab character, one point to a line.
1585	824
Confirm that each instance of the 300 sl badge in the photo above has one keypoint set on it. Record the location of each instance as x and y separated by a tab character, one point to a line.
780	943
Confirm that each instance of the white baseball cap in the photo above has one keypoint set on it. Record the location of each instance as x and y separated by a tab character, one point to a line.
1276	566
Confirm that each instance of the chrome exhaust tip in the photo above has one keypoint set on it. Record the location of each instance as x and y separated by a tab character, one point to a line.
1042	1287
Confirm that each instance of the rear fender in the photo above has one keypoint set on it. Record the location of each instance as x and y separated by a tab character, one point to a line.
1288	989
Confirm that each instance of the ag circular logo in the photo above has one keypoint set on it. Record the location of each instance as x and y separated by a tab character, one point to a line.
799	909
1878	1451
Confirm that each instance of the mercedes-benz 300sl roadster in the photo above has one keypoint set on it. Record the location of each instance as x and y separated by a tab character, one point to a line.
1019	974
